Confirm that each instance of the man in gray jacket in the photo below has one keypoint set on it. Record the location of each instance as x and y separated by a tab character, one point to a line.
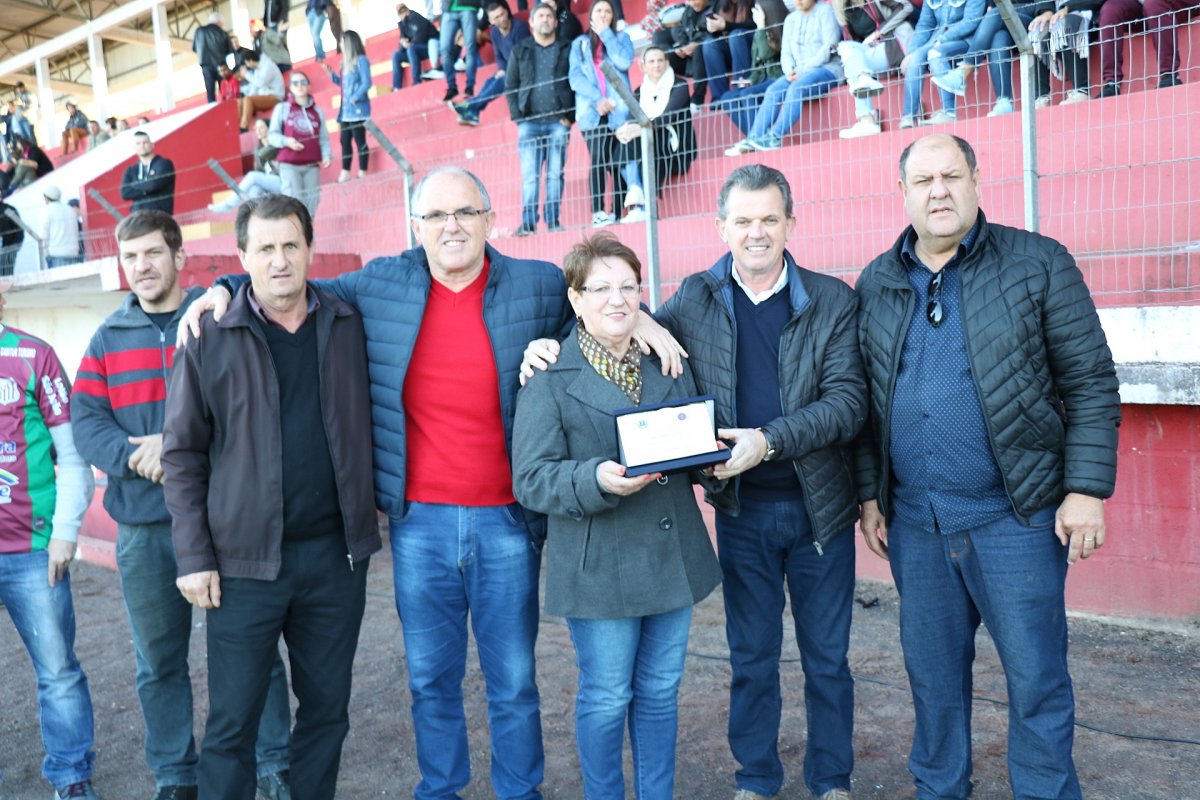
982	474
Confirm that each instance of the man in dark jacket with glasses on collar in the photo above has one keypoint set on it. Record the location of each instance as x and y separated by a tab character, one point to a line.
991	446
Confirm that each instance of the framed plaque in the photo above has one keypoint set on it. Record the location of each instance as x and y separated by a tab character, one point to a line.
669	437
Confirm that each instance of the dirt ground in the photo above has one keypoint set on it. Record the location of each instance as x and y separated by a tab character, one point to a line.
1141	681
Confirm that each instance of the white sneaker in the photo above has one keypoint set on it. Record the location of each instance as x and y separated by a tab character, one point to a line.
1076	96
940	117
432	74
1042	102
634	214
635	197
864	127
739	149
1004	105
907	121
460	65
865	86
602	218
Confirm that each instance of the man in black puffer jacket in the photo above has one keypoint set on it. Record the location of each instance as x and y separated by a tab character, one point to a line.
991	445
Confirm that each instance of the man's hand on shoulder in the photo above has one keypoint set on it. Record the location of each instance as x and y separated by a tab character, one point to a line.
202	589
215	300
539	355
650	336
61	553
1079	525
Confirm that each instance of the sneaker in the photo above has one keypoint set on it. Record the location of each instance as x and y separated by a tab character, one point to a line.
451	93
1076	96
864	127
836	794
1110	89
907	121
602	218
694	108
468	118
1042	102
432	74
940	117
635	197
953	82
865	86
1003	106
83	789
746	794
460	65
177	793
469	92
768	142
274	787
1169	79
555	228
633	214
739	149
524	230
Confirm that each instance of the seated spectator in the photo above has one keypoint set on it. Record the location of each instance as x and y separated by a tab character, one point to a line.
569	27
11	237
505	32
663	95
230	86
298	130
355	108
263	179
682	44
272	43
811	68
111	125
727	51
264	86
96	135
741	103
942	32
599	111
1060	40
122	125
29	161
1162	17
418	41
76	129
880	33
993	42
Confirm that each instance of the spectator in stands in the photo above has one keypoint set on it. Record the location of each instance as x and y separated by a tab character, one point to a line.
298	130
263	179
96	135
19	124
143	120
11	237
60	230
211	44
314	13
24	98
599	111
111	125
275	14
505	32
76	129
727	52
811	68
29	161
542	105
569	27
879	36
263	86
1163	18
1060	40
742	103
418	41
272	43
459	16
231	85
682	45
993	42
663	96
150	180
942	32
355	109
122	125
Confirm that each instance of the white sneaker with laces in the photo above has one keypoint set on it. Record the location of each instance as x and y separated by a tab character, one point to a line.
864	127
602	218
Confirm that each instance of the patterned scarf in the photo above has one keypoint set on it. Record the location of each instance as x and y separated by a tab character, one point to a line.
625	373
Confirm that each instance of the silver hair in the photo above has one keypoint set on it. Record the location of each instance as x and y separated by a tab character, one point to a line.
215	18
752	178
483	192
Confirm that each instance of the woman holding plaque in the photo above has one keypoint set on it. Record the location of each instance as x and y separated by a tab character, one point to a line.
627	557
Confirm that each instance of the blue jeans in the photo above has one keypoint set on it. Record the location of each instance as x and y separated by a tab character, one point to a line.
45	620
629	669
452	563
726	57
161	623
492	88
414	55
784	101
1012	577
61	261
914	76
538	143
767	546
316	24
468	23
993	42
860	59
742	104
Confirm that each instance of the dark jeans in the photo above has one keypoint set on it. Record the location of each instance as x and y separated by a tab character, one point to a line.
1075	73
768	546
742	104
726	57
212	78
993	42
602	153
317	604
354	130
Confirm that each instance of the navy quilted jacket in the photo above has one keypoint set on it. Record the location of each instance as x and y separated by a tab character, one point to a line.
1039	357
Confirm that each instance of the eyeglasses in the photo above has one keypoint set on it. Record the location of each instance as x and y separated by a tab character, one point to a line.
933	311
463	216
627	290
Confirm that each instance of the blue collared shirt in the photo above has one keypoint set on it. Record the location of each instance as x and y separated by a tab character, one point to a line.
944	473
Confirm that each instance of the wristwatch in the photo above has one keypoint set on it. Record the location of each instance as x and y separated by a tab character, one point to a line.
771	451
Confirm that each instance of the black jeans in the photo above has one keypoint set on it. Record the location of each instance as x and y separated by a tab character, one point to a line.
317	603
602	146
356	131
212	77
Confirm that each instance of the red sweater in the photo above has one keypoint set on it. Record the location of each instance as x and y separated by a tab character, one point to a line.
455	432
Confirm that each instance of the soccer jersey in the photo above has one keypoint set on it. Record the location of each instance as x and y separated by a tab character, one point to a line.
35	395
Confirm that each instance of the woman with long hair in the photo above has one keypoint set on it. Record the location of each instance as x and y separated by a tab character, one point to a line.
599	111
355	80
742	102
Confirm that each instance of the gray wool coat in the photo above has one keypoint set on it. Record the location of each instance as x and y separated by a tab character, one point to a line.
607	557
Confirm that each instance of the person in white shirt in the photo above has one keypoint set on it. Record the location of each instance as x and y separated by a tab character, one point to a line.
60	230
